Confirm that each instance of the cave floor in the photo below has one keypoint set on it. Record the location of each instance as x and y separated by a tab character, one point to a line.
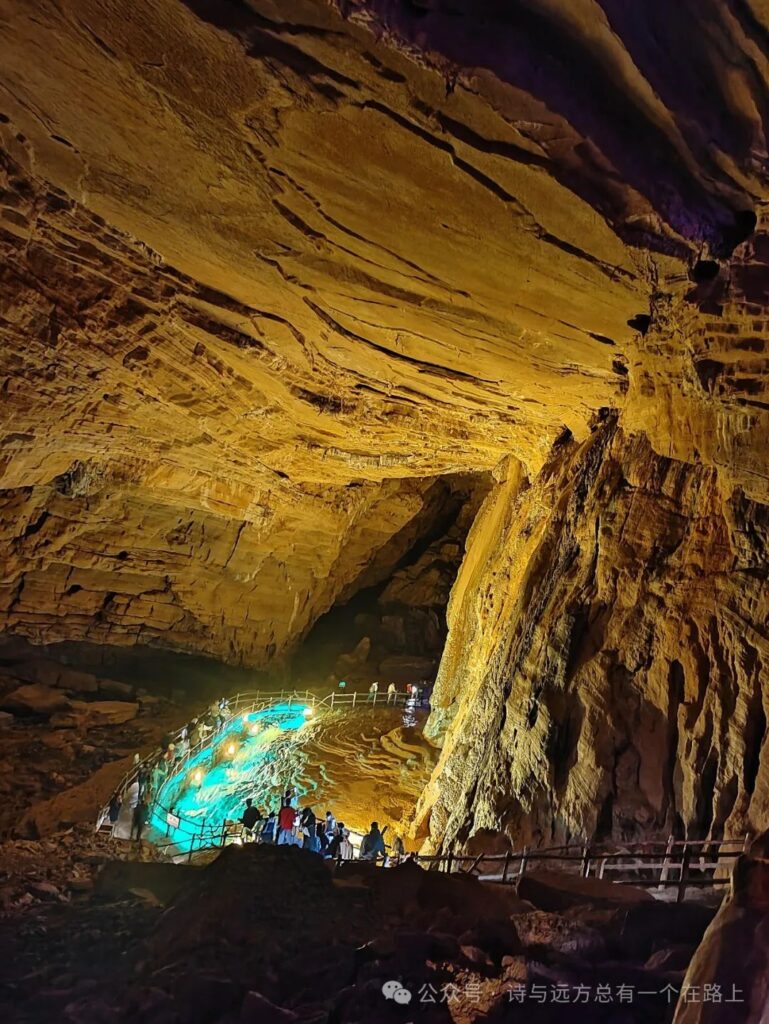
276	934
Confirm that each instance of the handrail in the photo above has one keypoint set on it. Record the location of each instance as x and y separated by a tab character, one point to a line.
525	857
689	859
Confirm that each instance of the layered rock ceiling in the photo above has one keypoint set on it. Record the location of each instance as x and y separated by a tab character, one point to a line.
271	270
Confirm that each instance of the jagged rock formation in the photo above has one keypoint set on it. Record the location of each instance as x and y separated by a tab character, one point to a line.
270	269
603	673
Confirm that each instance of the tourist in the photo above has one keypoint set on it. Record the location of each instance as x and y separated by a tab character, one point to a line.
307	819
312	840
158	776
203	731
249	818
346	851
320	835
224	712
139	819
372	692
268	829
330	825
372	846
399	851
114	808
259	826
335	842
391	693
286	822
216	715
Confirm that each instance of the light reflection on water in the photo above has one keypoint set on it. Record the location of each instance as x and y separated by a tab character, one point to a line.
257	756
248	758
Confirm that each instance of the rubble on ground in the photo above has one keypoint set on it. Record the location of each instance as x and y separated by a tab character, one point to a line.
275	934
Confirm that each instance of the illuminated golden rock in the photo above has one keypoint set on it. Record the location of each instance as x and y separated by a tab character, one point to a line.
271	273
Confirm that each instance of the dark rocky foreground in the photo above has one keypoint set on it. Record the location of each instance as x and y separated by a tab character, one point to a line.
273	935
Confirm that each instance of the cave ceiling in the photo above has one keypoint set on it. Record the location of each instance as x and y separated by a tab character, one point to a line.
270	268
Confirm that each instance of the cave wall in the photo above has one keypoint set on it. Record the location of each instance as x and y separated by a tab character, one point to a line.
604	673
150	486
269	269
390	623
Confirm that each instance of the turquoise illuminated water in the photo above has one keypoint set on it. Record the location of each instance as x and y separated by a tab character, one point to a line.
244	760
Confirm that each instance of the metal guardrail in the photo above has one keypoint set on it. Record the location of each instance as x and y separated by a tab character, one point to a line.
335	699
248	702
678	864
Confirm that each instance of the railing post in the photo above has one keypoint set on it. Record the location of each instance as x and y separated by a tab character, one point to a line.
586	860
524	862
449	861
685	862
506	867
353	698
665	868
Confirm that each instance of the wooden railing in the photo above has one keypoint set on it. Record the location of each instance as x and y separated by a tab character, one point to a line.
678	864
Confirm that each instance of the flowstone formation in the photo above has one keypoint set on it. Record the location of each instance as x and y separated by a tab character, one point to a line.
603	672
272	274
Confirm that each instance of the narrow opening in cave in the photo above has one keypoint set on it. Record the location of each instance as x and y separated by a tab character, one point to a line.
395	630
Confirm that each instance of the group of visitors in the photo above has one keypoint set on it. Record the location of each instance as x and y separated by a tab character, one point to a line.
414	692
327	837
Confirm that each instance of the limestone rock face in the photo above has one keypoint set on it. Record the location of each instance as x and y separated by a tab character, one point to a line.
271	274
267	270
607	644
734	953
36	699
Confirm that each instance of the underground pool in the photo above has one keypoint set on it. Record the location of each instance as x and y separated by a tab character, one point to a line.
253	756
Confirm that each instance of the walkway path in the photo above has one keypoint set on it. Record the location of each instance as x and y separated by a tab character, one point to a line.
253	754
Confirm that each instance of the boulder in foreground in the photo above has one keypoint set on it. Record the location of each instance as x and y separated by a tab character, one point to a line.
555	890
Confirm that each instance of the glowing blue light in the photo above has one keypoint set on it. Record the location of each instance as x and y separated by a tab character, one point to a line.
237	763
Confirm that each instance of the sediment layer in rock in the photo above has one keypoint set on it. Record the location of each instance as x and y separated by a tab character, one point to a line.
269	269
